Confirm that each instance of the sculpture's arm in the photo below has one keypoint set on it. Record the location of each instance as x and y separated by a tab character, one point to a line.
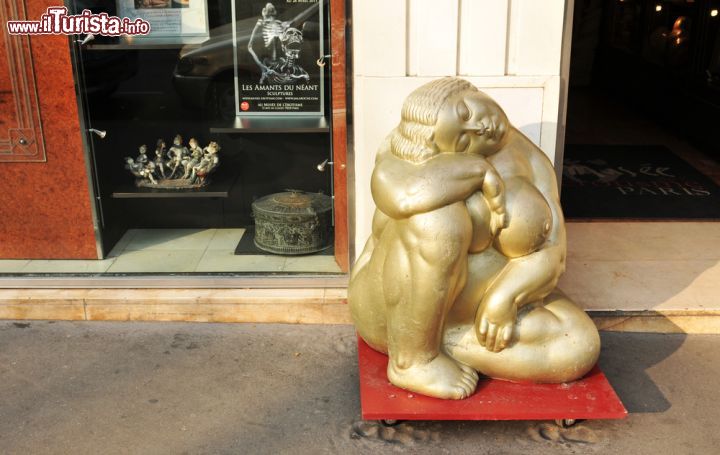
402	189
528	278
250	46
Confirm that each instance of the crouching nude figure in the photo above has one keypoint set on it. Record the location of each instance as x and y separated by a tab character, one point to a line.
467	245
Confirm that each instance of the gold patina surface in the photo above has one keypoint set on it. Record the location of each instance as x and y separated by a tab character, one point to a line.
468	242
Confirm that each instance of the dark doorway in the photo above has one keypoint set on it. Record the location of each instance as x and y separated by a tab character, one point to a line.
644	111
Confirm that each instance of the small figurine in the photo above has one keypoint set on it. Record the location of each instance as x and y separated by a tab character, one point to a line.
147	172
160	148
191	161
195	149
159	159
207	164
142	157
140	170
176	154
178	149
132	166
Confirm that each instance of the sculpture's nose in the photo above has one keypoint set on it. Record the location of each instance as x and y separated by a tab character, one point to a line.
479	129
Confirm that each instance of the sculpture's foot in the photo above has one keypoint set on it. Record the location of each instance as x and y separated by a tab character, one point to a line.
442	377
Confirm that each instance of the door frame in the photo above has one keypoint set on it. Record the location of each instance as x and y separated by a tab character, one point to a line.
339	97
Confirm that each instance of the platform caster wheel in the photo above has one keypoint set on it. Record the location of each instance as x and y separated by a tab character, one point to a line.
565	423
389	422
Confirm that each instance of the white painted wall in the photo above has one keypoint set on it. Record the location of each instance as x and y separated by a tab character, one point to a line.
511	49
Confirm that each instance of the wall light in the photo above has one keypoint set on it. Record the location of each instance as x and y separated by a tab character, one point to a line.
658	8
713	13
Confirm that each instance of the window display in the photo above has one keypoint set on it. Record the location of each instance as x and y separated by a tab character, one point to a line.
178	184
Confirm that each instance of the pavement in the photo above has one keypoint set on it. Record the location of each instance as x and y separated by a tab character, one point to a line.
192	388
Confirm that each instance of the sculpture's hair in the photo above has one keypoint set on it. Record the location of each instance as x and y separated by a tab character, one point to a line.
412	140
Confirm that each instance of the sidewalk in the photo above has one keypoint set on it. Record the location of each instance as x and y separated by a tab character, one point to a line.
156	388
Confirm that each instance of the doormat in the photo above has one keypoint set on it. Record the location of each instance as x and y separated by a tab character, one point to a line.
247	247
634	182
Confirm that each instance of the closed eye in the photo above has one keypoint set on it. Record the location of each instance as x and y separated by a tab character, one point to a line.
463	111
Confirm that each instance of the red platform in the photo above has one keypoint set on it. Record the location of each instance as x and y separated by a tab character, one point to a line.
591	397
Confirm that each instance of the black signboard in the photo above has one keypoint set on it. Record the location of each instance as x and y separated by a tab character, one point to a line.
277	46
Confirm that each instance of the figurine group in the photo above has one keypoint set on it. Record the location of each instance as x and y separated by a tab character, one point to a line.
178	167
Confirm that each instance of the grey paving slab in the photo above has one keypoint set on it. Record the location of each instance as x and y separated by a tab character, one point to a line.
174	388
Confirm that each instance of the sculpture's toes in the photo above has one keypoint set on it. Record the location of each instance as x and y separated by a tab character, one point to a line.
469	385
468	370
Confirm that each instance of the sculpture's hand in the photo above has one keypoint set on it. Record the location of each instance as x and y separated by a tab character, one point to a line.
495	321
494	190
524	280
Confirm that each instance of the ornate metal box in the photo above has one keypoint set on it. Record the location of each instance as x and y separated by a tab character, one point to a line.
293	222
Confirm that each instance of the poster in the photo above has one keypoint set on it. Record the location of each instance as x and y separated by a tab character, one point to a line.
277	45
168	18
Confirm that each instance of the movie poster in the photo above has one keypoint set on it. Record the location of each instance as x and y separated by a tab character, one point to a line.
168	18
277	45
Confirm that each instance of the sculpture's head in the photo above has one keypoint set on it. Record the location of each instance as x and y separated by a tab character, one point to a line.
291	41
449	115
143	149
193	142
269	11
177	140
212	148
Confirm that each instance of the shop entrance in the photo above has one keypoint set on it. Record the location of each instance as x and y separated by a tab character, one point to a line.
643	111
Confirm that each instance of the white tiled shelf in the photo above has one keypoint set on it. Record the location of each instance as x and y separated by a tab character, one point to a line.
177	251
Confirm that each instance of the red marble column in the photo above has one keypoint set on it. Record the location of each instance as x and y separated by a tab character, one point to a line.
44	198
339	132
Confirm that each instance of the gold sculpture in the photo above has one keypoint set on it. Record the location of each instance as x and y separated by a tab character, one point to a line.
467	245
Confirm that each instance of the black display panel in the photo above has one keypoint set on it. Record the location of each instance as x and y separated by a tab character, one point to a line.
278	47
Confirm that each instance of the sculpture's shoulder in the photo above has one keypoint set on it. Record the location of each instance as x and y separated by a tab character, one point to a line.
520	157
385	148
513	160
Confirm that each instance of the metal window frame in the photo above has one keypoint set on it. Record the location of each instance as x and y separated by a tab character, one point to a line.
191	281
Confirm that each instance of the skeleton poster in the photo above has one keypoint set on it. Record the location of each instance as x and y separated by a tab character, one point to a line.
277	46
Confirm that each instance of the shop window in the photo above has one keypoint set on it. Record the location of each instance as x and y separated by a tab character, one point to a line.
216	122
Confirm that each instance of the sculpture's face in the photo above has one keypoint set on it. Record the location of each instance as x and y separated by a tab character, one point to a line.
177	140
213	148
292	41
470	122
269	11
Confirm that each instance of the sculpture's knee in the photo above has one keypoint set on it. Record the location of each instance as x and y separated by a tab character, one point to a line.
576	350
